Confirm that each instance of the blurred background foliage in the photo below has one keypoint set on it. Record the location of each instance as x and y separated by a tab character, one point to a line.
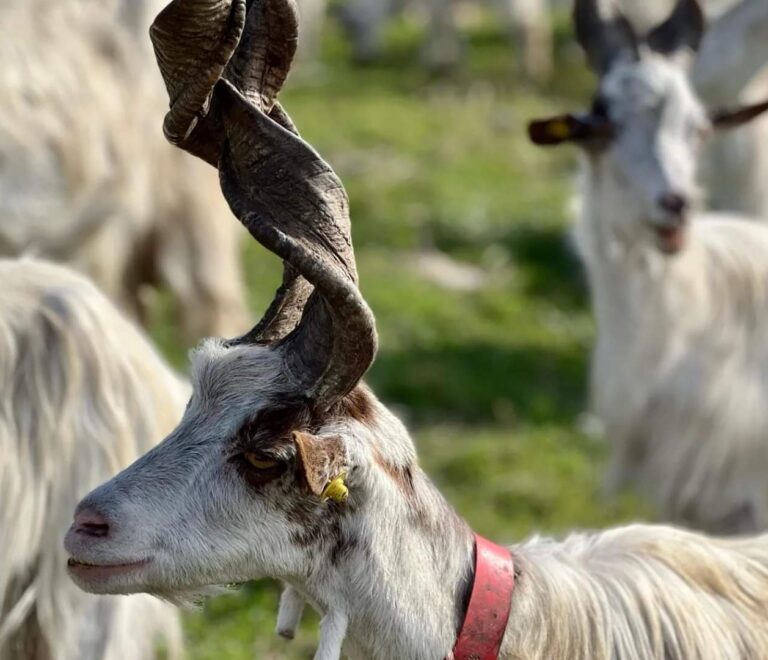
461	235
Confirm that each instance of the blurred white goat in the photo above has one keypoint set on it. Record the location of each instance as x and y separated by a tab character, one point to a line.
86	177
681	298
83	395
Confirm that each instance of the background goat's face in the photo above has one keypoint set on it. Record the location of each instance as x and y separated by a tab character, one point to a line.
225	498
649	165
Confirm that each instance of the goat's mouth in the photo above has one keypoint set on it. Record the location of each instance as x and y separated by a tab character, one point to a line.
89	574
671	239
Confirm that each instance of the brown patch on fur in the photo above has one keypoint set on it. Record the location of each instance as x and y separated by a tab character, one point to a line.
358	405
401	475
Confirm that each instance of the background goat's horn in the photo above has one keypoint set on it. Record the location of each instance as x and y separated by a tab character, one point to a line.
604	38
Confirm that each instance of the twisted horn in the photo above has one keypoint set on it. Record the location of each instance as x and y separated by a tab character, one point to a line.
285	194
252	44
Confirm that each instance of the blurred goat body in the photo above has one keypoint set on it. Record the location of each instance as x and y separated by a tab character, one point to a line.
680	365
86	177
83	394
526	21
679	370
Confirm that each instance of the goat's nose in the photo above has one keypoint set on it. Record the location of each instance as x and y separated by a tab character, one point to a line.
90	523
673	203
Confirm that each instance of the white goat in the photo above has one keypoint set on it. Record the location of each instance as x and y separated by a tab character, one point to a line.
285	466
679	368
86	178
83	395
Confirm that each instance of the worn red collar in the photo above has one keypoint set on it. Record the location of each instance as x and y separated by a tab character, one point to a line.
489	604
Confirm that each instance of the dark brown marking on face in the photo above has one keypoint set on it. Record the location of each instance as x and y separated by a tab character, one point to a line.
255	477
275	423
270	431
322	529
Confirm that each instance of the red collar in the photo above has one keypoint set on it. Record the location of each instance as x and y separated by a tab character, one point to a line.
489	604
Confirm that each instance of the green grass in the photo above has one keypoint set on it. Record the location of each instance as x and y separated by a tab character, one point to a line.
491	383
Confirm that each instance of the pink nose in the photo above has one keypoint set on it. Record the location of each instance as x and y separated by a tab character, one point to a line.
90	523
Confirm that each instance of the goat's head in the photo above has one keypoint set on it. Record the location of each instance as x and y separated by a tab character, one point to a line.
241	488
646	125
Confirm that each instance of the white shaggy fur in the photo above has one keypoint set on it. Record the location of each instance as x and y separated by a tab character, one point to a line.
86	176
83	394
390	568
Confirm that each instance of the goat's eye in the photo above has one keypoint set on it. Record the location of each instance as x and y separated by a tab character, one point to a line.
258	462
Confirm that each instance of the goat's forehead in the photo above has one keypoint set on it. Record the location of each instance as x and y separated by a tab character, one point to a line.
235	375
649	83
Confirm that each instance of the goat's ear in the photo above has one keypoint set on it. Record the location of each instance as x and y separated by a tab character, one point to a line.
568	128
322	459
682	31
734	117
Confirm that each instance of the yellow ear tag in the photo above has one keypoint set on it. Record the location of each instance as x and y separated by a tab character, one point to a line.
559	129
336	490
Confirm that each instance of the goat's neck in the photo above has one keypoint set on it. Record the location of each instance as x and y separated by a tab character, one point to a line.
404	584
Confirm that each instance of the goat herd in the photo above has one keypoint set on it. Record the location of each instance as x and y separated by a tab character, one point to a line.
284	465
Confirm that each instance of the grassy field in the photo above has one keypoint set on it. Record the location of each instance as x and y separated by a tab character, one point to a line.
492	380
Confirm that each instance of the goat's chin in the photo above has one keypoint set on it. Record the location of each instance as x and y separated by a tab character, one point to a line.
138	577
124	577
670	240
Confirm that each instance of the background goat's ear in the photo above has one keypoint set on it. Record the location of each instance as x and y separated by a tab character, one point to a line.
605	39
682	31
321	459
558	130
725	119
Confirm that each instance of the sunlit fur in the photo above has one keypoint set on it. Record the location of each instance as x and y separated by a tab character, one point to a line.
639	592
390	568
83	394
86	176
680	365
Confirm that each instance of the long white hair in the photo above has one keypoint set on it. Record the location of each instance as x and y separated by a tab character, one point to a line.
82	394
